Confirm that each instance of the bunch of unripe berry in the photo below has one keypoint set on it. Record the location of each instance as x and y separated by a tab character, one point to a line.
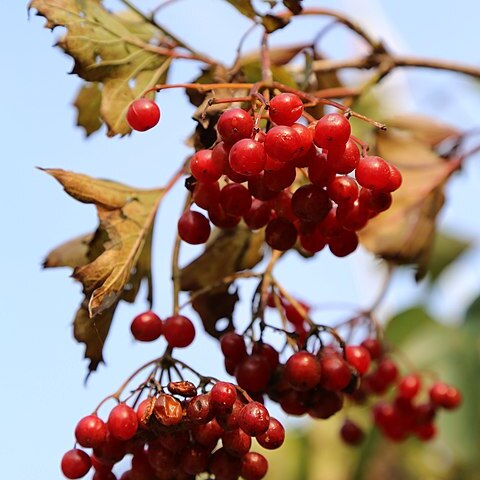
306	184
175	432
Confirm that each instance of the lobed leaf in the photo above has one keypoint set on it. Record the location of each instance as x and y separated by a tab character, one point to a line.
119	51
112	263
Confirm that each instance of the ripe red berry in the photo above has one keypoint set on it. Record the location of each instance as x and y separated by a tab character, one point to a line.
375	201
343	244
373	173
75	463
234	125
387	371
254	419
122	422
235	199
247	157
224	466
236	442
282	143
253	373
336	374
351	433
179	331
233	346
223	396
277	180
342	189
259	214
303	371
146	327
143	114
358	357
91	431
222	219
281	234
312	239
274	437
320	172
310	203
373	346
254	466
352	216
348	161
285	108
205	195
409	386
332	132
268	352
206	167
395	179
445	396
193	227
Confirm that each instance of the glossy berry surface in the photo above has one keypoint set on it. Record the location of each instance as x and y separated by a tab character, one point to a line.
285	108
254	419
254	466
274	437
358	357
193	227
373	173
223	395
332	131
143	114
122	422
179	331
303	371
91	431
281	234
234	125
146	327
247	157
75	463
206	167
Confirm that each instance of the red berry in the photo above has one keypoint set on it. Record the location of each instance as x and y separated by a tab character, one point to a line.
194	459
293	315
311	238
91	431
303	371
285	108
146	327
223	396
254	419
193	227
319	171
233	346
395	179
274	437
205	195
352	216
310	203
179	331
221	219
358	357
259	214
143	114
373	346
236	442
342	189
235	199
247	157
234	125
207	434
254	466
409	386
75	463
280	179
258	189
325	403
122	422
445	396
387	370
306	142
199	409
332	132
343	244
224	466
373	173
336	374
348	161
351	433
282	143
205	167
253	373
268	352
281	234
375	200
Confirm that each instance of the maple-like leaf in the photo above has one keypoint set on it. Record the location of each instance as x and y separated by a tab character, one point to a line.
111	263
228	252
404	234
119	52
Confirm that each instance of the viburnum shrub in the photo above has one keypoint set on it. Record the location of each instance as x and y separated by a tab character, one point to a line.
275	168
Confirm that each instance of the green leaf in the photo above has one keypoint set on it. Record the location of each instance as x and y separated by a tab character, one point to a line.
116	50
446	249
406	325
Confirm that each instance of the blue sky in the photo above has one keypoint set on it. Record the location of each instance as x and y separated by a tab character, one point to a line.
42	368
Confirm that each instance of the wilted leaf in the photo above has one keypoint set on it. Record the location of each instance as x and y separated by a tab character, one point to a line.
230	252
446	249
70	254
295	6
116	259
116	50
87	104
404	234
244	7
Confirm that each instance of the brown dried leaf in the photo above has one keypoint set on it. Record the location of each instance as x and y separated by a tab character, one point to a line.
116	50
87	103
425	129
229	252
70	254
270	22
404	234
112	263
295	6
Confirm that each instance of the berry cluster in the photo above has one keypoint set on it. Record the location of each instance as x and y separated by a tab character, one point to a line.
295	180
318	382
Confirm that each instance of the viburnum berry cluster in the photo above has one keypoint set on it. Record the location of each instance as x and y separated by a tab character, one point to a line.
306	183
177	431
